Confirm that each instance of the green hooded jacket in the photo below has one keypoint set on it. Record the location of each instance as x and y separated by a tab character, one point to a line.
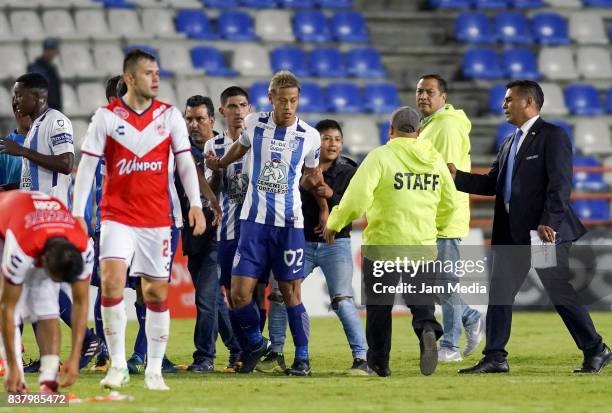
448	130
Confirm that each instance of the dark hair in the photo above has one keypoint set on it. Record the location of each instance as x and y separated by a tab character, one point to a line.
121	87
111	87
199	100
63	259
231	92
133	56
327	124
529	88
442	85
33	81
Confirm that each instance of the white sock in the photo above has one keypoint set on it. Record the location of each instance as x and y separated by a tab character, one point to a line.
49	365
157	328
114	320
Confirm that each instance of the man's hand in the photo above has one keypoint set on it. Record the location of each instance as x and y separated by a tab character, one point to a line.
12	380
453	169
329	235
218	214
546	233
312	179
212	161
197	220
324	190
69	372
10	147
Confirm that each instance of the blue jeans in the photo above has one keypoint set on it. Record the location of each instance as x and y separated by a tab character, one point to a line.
212	315
455	313
337	265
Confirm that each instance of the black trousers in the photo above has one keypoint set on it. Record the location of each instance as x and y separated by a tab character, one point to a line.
510	267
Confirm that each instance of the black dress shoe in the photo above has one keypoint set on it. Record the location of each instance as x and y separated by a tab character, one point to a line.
382	370
429	352
596	363
487	366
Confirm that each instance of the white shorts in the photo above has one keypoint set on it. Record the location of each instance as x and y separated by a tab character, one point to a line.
146	251
39	298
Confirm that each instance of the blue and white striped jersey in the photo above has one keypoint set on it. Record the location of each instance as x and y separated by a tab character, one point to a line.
276	158
50	134
234	184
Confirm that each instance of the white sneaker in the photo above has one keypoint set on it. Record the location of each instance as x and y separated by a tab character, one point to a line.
474	335
115	378
155	381
448	355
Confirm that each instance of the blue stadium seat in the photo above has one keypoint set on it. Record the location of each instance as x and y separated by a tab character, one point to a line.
490	4
236	26
220	4
512	28
211	60
153	52
289	58
550	28
311	26
519	63
195	24
449	4
598	209
503	130
365	62
526	4
349	26
474	28
334	4
259	4
496	99
327	62
592	181
383	128
296	4
258	96
609	101
481	64
582	99
597	3
311	98
344	98
381	97
116	4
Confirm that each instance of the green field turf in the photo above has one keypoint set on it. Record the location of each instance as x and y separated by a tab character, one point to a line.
542	356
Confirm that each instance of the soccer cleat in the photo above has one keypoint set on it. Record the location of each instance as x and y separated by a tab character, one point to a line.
168	366
359	368
447	355
102	364
382	369
429	352
474	335
250	360
233	366
299	368
155	381
135	364
272	363
32	367
201	366
115	378
89	350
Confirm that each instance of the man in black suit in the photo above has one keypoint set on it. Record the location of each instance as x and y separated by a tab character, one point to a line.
532	181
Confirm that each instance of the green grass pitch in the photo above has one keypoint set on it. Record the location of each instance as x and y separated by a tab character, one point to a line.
542	356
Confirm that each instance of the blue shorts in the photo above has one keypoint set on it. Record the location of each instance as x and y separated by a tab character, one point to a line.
225	258
262	248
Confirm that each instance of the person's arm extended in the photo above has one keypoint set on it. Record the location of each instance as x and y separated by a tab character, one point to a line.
313	178
481	184
448	197
208	193
82	187
235	152
61	163
80	300
10	296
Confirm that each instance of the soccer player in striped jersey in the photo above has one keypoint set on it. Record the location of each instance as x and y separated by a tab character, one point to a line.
272	226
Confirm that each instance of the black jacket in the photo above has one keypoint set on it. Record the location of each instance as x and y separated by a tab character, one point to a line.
541	187
337	176
49	71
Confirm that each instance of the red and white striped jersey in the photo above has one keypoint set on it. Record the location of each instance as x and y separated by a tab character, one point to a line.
136	148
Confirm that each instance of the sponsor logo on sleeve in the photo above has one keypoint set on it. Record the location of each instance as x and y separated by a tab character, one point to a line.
61	139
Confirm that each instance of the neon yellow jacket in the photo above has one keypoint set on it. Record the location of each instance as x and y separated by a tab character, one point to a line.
448	130
406	192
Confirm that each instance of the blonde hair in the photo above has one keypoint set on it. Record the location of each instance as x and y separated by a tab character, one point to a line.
281	80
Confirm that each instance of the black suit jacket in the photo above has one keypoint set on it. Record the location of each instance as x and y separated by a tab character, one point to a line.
541	187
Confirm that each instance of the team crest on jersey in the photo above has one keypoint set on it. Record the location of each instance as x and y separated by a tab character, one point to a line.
121	112
237	188
60	123
274	177
161	129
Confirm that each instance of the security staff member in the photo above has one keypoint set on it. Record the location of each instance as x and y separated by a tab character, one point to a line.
406	192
